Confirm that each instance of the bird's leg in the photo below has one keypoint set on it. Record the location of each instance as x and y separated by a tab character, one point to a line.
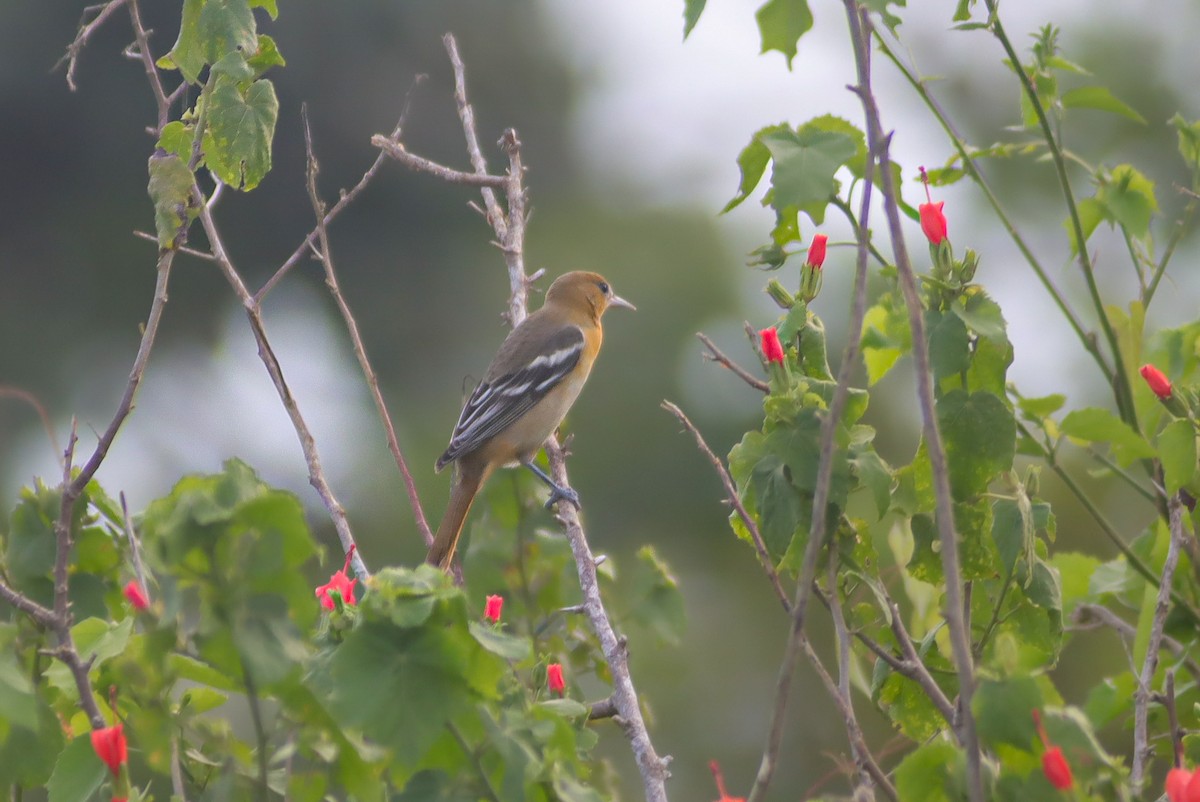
557	492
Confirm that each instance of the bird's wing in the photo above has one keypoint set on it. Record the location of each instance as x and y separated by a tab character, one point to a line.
496	404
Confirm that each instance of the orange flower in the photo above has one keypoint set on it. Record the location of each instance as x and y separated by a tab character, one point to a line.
1054	764
933	221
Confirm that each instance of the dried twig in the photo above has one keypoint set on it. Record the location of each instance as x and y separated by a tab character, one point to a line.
731	495
71	58
134	550
347	196
715	355
360	351
1142	694
1090	616
861	29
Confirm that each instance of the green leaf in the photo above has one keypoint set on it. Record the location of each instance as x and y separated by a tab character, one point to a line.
1091	214
1101	99
1037	409
873	473
1128	198
78	772
227	26
18	702
187	55
100	640
982	315
885	337
1075	571
979	435
949	345
752	161
927	773
241	125
268	5
1095	425
268	56
170	189
909	708
805	163
499	643
1177	452
781	23
1003	711
692	9
1189	140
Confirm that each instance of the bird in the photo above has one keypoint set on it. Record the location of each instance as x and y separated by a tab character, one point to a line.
524	395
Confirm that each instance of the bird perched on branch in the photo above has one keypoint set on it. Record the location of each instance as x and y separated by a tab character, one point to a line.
532	382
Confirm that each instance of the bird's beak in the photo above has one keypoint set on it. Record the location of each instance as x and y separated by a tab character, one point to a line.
617	300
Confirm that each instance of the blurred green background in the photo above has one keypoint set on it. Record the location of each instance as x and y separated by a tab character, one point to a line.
630	138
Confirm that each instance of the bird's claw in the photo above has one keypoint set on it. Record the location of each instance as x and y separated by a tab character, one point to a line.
566	494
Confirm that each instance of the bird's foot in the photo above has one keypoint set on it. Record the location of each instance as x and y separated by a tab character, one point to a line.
559	493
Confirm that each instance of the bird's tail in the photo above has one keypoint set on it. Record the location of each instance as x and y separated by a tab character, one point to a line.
467	481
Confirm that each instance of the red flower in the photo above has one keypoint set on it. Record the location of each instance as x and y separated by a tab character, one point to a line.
725	797
136	596
816	251
771	346
492	610
1159	383
343	584
110	746
554	678
1054	764
933	222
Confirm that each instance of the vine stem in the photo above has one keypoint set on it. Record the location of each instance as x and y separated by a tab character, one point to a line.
954	611
1121	387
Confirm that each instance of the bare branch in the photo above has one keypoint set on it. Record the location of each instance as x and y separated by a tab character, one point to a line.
146	235
86	29
960	641
731	495
161	100
360	351
1162	605
420	164
1090	616
134	549
316	473
714	354
347	196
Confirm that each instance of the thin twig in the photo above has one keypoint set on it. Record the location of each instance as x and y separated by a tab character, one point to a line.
816	534
731	495
260	732
420	164
161	99
86	29
346	198
715	355
134	550
47	424
1162	605
605	708
312	457
360	351
206	256
960	640
177	786
1091	616
1177	732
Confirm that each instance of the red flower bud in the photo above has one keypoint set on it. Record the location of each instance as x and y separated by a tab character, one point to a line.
110	746
491	610
933	222
816	251
136	596
1056	769
554	678
772	349
1177	784
720	780
343	584
1159	383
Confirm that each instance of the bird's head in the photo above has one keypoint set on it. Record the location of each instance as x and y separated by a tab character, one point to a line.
588	291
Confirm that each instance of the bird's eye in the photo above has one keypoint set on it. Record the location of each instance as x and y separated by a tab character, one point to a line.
604	287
